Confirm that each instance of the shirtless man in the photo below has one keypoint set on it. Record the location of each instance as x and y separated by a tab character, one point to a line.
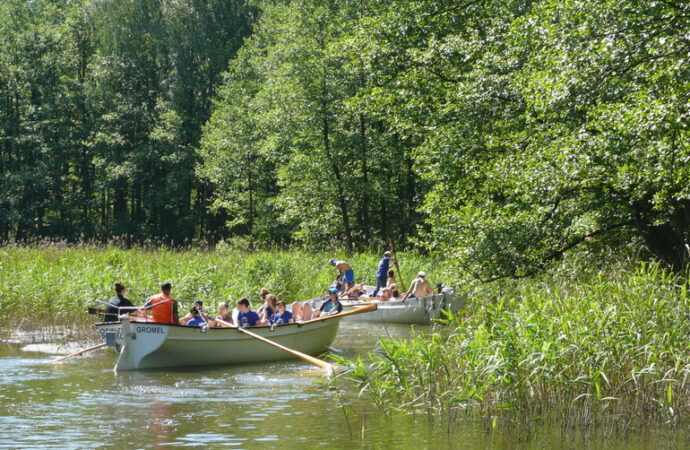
419	287
345	272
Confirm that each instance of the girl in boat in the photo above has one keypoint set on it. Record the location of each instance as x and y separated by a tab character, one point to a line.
330	306
223	314
391	279
268	310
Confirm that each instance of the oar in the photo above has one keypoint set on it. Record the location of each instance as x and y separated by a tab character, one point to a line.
310	359
365	308
96	311
395	259
95	347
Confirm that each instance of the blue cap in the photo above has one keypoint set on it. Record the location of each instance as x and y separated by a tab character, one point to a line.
332	290
331	262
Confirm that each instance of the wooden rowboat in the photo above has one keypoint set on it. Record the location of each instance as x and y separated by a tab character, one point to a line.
148	345
422	310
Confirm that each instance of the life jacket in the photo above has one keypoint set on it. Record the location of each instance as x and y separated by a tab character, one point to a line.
162	310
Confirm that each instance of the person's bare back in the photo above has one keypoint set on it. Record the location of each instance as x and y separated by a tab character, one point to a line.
420	287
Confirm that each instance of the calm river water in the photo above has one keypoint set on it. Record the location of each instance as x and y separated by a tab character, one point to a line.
82	403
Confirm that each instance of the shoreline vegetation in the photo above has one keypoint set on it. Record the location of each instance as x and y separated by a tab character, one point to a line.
583	345
602	350
56	283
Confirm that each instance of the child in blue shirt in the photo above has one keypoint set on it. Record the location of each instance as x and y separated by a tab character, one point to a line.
283	316
246	317
196	320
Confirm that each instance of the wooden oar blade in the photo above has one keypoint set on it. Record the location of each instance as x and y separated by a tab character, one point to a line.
96	311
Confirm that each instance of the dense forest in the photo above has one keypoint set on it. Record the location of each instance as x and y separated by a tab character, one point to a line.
502	134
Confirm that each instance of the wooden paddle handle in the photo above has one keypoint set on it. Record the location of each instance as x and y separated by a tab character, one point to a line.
303	356
95	347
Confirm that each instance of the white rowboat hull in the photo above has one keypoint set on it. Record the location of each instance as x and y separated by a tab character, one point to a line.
422	311
156	345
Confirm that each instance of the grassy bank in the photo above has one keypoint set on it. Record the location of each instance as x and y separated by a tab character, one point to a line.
55	284
610	349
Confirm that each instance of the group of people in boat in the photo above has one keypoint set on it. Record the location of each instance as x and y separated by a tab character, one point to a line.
385	282
164	308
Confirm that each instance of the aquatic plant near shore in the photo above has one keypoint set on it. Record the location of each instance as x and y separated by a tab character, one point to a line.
51	284
612	351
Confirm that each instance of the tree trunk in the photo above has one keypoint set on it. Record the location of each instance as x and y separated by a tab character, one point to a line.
365	178
339	185
669	242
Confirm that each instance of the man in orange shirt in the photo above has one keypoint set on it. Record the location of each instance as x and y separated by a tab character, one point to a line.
164	308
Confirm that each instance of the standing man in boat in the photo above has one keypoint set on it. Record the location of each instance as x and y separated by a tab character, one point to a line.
382	272
419	287
345	272
164	308
115	303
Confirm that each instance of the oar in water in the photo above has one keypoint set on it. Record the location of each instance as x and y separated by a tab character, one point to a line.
80	352
310	359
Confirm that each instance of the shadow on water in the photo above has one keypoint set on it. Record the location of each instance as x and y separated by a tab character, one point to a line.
83	403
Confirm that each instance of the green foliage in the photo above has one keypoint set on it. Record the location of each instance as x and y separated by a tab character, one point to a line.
610	349
102	107
292	152
56	284
542	125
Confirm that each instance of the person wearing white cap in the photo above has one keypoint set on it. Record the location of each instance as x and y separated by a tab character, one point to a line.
419	287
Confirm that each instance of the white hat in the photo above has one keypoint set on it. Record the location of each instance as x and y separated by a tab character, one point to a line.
421	274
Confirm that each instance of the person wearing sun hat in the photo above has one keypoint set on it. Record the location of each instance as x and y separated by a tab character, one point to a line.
345	272
330	306
419	287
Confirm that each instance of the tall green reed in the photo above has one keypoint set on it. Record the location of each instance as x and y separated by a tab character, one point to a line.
56	283
612	348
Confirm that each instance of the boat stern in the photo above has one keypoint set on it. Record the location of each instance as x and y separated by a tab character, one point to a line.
134	350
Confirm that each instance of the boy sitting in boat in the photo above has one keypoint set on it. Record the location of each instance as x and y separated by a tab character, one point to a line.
246	317
199	305
196	320
282	316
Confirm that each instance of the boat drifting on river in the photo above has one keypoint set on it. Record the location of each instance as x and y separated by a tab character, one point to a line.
150	345
422	310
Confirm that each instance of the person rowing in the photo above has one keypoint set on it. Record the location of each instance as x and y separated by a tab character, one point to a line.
163	306
223	314
382	272
112	313
199	305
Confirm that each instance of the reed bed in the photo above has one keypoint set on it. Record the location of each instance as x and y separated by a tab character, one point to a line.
54	284
610	350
